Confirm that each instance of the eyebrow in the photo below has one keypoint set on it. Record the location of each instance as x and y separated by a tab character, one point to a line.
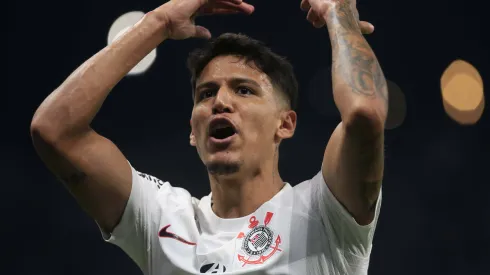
234	81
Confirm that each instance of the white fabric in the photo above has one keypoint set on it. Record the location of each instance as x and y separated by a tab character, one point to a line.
302	230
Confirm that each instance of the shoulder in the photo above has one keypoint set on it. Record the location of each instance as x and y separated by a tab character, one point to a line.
149	179
309	187
159	187
299	198
305	196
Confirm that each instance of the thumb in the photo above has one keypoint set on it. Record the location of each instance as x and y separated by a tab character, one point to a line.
202	32
366	27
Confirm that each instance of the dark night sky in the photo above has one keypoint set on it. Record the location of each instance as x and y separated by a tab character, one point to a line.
435	217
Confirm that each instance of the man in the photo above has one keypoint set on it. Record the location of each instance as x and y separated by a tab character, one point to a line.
244	97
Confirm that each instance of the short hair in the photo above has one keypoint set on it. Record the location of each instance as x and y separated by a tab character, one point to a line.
277	68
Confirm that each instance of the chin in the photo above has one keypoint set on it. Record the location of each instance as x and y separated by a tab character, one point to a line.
222	168
223	165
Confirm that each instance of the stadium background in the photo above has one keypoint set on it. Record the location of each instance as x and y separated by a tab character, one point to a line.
435	217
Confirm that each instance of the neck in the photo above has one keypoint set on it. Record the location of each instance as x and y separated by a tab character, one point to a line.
242	193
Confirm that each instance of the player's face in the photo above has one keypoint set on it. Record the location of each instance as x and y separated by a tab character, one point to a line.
237	116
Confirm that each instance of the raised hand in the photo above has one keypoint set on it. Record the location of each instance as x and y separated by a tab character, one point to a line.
317	9
179	15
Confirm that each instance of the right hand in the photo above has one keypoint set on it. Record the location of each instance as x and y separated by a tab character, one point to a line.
318	8
179	15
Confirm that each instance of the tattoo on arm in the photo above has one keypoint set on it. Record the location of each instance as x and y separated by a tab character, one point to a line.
353	59
74	178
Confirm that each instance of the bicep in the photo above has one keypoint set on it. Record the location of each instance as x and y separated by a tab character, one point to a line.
95	172
353	170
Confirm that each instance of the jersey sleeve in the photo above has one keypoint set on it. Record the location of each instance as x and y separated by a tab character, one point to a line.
138	227
354	240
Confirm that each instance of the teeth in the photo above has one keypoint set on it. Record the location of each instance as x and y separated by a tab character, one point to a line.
221	126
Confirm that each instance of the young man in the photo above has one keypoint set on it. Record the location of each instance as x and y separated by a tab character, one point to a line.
244	97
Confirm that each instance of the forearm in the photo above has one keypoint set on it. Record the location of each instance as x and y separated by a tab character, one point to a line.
359	86
70	109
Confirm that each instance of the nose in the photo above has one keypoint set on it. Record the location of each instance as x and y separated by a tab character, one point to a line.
223	102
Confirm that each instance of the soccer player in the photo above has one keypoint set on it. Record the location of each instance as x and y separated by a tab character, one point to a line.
244	95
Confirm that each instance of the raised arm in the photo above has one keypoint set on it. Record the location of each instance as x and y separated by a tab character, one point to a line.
353	159
91	166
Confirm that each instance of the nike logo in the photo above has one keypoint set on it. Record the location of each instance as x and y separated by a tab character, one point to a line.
165	234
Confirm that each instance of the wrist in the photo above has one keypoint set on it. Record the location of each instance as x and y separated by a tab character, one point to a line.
341	18
340	14
159	20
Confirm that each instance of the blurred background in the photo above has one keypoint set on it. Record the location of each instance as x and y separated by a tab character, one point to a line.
435	217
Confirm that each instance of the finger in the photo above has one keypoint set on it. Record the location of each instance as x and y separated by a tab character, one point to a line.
311	16
202	32
366	27
246	8
218	8
226	7
238	2
219	11
316	20
319	24
305	5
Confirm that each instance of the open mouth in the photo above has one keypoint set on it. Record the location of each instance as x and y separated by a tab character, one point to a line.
221	129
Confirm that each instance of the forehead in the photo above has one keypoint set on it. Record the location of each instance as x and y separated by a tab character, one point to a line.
222	68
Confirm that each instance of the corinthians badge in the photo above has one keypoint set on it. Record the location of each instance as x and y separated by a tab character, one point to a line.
259	243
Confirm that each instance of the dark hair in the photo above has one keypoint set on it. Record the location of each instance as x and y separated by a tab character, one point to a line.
279	70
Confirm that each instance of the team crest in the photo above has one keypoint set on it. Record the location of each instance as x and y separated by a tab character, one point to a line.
259	244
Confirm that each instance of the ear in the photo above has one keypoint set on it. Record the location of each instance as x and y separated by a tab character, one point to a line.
192	139
287	124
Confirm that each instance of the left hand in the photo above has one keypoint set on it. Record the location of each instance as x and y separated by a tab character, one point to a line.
317	8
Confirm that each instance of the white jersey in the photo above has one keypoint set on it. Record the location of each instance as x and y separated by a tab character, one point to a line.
302	230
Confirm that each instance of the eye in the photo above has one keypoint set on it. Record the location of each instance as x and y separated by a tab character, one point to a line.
206	94
244	91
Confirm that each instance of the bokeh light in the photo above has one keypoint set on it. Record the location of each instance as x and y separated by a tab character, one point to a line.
462	92
123	24
397	106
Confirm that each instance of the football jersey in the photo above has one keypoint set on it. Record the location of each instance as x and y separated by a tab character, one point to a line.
302	230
